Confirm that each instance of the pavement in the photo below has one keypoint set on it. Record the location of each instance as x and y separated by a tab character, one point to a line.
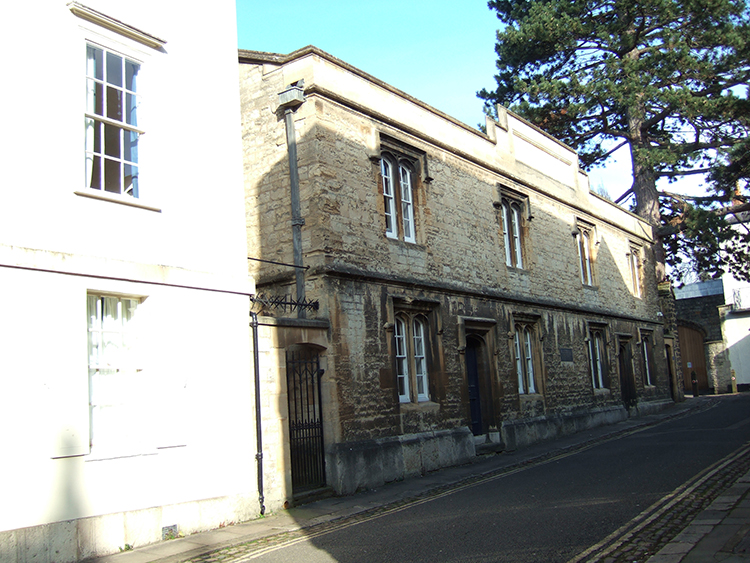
720	532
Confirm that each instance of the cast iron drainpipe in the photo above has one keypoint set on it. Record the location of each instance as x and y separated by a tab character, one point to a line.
258	428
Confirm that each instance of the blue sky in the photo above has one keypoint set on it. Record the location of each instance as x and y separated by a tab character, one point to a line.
438	51
441	52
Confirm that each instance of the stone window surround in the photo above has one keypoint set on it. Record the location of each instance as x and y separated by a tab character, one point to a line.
525	334
400	154
409	310
587	242
514	219
635	265
599	379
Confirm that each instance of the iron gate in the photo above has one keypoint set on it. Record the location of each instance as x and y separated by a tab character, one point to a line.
305	419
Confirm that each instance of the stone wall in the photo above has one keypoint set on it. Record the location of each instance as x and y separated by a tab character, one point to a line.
453	276
703	311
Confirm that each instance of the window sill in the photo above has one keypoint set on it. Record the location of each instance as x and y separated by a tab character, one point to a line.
116	198
411	243
422	405
530	396
604	392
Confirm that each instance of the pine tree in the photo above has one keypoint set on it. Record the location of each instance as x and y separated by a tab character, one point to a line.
667	78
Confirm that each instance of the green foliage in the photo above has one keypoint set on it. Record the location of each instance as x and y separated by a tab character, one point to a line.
666	77
704	239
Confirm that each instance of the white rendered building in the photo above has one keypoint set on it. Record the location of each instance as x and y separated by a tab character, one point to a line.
125	359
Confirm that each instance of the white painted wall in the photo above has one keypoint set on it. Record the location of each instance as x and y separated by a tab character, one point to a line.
736	327
187	262
736	323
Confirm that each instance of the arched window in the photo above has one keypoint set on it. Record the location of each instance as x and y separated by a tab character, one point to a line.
512	233
634	259
410	334
583	240
398	201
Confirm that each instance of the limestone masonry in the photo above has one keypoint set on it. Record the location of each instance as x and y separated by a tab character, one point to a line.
475	292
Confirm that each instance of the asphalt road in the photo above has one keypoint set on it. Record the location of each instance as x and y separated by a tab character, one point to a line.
546	512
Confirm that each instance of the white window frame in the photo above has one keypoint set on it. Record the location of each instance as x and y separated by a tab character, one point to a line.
524	346
398	204
402	360
115	389
386	174
647	345
101	31
512	217
597	357
412	363
420	359
407	204
106	147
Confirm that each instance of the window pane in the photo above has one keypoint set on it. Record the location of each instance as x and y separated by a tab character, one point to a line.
506	234
130	146
519	361
94	97
112	176
131	180
405	184
94	62
114	104
112	141
385	170
407	211
93	136
94	348
517	236
402	369
114	69
131	108
420	363
131	72
407	218
94	172
529	361
420	378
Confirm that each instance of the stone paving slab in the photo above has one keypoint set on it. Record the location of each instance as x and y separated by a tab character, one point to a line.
720	533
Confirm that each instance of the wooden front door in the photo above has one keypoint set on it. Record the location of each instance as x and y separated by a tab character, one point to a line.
693	353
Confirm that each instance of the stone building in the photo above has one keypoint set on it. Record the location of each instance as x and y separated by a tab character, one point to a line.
472	291
701	341
714	319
